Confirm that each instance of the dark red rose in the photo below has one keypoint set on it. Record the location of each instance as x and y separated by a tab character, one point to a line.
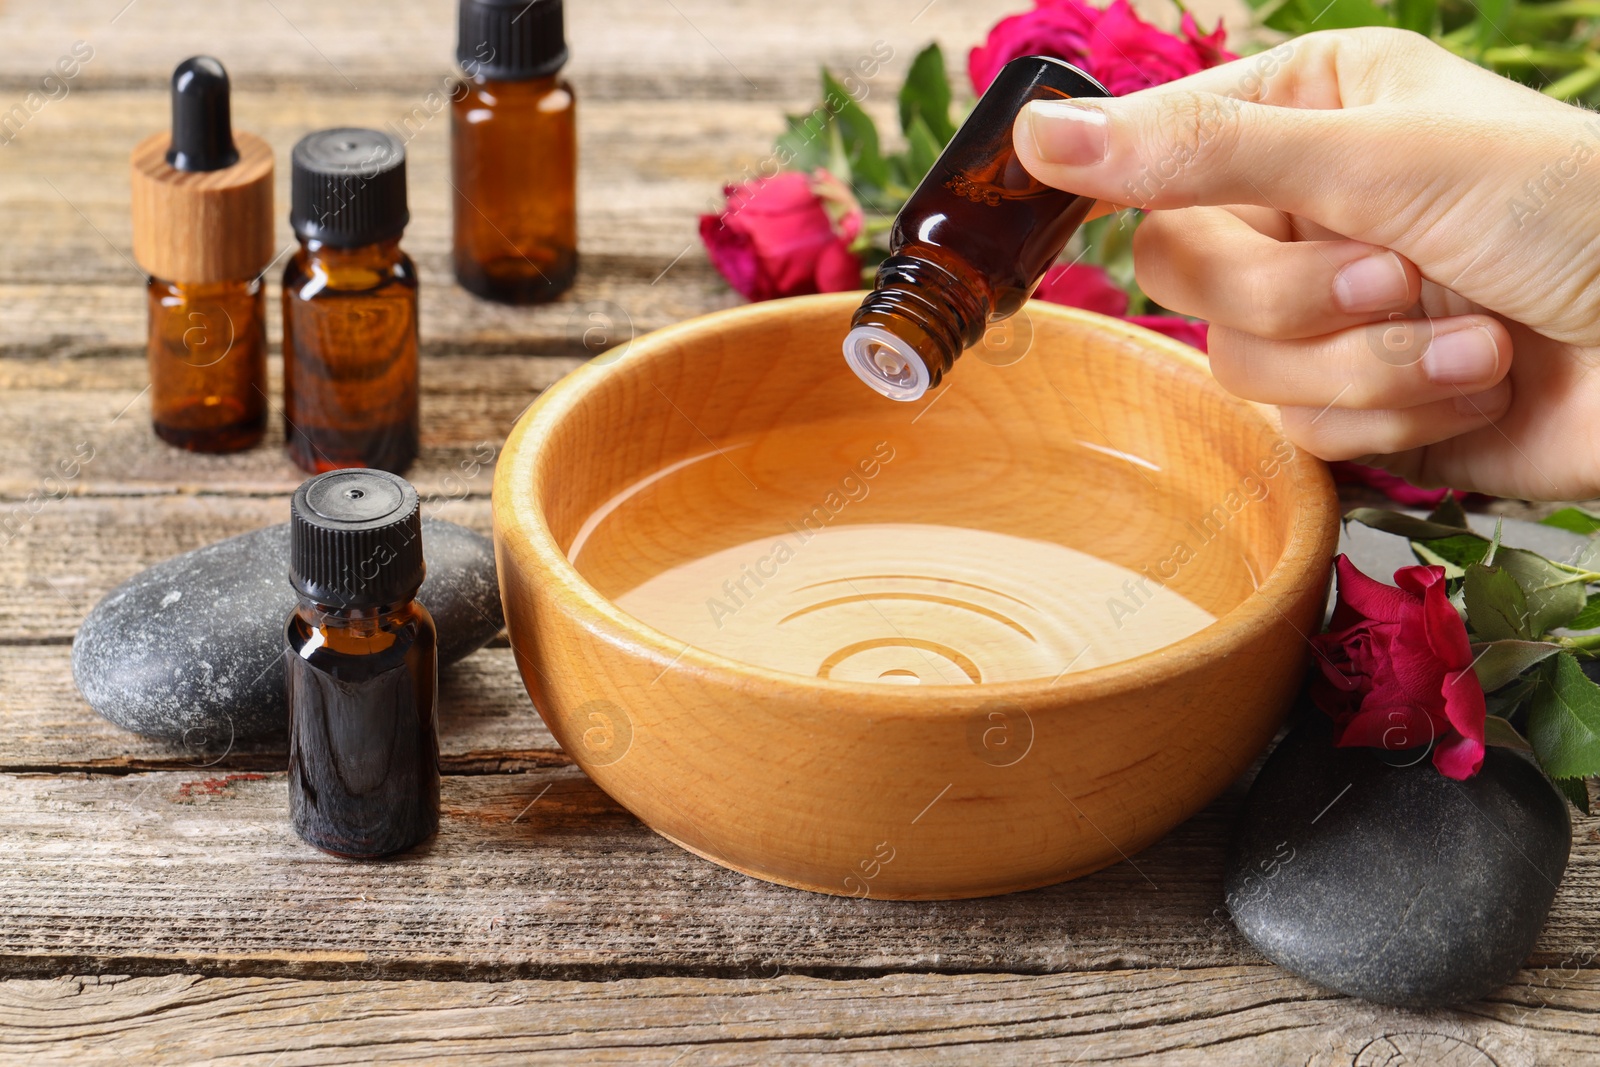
1391	485
1396	669
1083	285
788	235
1115	46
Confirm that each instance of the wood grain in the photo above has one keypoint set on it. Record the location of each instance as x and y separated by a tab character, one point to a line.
110	869
840	786
486	724
58	411
213	226
541	875
1242	1016
701	49
532	875
64	204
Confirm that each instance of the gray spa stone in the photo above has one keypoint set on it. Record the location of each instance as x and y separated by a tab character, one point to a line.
191	650
1394	883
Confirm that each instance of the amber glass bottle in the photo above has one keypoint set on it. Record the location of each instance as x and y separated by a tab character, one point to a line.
208	363
362	667
514	153
350	307
970	244
202	213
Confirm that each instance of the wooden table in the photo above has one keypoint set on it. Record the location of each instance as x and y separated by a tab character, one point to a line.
154	905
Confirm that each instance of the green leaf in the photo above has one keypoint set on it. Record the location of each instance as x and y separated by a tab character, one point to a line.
1555	597
1491	21
1499	663
1576	520
1398	522
1494	544
1576	790
1450	513
926	96
1428	556
1346	14
1508	701
858	133
1419	15
1497	609
1497	731
1564	720
1588	618
804	146
923	152
1463	550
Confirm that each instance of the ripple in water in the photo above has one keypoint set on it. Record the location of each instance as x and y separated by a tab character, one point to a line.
913	604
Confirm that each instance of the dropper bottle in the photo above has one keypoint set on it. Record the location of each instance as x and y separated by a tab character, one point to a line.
202	232
971	243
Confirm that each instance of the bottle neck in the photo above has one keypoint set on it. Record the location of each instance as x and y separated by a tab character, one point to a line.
362	267
919	310
502	84
355	621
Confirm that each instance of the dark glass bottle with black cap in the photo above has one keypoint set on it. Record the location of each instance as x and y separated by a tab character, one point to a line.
971	243
202	231
350	306
514	153
362	667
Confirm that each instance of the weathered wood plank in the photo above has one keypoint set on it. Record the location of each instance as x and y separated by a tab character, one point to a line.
487	725
648	169
708	49
55	412
1217	1017
532	875
541	875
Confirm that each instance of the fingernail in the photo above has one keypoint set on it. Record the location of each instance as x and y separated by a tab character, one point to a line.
1064	132
1465	357
1489	404
1371	283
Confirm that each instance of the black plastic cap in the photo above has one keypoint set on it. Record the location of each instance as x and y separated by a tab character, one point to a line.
348	187
202	123
511	40
355	539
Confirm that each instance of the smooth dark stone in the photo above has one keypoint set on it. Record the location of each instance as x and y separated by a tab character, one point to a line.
1395	883
191	650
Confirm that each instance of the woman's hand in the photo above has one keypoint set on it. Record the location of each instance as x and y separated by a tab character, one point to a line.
1399	249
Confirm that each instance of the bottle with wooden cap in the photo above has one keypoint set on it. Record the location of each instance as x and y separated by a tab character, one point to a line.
350	306
970	244
202	231
514	153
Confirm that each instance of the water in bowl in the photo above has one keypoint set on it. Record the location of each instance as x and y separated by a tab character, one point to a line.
846	552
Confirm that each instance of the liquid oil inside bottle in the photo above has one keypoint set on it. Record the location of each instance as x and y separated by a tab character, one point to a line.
847	551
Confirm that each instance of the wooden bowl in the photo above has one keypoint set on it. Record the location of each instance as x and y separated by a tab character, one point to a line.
707	437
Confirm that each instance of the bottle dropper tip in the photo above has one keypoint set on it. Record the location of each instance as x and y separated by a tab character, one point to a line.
886	363
202	122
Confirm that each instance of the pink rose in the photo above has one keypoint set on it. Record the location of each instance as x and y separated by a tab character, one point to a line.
788	235
1115	46
1083	285
1396	669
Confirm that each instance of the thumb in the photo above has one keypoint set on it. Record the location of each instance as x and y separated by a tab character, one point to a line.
1173	148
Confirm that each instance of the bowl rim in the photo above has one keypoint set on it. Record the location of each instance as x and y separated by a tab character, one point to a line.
516	490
